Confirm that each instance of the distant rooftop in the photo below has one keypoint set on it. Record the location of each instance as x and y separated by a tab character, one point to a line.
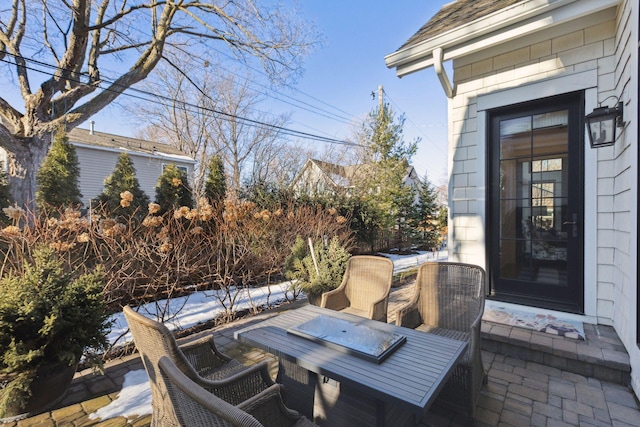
107	140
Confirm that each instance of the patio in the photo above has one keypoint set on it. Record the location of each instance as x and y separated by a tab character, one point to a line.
541	381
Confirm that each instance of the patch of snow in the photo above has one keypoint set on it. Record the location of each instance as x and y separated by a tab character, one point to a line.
199	307
133	400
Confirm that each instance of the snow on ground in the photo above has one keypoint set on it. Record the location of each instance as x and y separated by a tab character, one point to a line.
135	397
199	307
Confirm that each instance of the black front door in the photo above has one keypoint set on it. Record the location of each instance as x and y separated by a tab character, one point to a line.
536	203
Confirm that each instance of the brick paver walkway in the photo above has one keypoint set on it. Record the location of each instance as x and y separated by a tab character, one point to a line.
518	393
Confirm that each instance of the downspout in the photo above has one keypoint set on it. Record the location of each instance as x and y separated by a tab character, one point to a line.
438	55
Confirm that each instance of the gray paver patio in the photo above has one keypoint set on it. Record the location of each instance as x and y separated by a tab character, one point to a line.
518	392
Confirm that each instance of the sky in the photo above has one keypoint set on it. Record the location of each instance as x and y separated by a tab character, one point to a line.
341	75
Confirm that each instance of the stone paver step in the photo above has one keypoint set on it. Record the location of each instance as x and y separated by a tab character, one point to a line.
601	355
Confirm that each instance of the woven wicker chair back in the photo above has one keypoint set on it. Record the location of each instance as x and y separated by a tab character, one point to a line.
451	294
368	278
153	341
196	406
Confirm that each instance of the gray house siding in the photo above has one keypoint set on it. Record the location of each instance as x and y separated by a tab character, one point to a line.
97	163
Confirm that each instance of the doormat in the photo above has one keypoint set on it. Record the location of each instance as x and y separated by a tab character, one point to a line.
536	321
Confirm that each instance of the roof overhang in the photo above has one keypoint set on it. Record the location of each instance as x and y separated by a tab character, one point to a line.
157	154
512	22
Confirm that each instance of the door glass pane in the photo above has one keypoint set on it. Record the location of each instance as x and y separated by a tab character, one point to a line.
533	197
515	138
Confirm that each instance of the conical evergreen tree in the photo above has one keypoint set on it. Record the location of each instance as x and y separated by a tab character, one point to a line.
122	194
215	186
426	219
387	160
173	189
57	178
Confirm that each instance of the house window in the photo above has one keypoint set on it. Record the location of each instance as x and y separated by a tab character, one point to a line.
179	167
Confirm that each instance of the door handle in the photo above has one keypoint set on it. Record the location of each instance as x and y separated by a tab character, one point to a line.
574	223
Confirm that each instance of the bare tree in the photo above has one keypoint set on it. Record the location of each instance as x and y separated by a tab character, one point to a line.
279	167
183	116
73	40
211	114
244	135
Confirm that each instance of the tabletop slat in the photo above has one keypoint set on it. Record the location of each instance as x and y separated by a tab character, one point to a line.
410	376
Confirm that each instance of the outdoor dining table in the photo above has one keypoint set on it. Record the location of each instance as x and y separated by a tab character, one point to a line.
336	384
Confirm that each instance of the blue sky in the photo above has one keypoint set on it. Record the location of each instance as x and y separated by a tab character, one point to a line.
359	34
340	76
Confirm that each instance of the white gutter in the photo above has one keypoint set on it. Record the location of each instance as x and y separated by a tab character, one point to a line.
510	23
438	54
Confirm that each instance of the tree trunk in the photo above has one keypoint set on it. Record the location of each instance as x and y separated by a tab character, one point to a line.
23	163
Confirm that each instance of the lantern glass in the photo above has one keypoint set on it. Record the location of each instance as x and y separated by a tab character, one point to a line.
602	127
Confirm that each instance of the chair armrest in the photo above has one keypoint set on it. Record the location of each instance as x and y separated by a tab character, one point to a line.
378	310
204	356
409	316
474	336
335	299
269	408
241	386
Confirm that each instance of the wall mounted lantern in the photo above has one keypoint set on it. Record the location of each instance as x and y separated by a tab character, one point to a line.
602	123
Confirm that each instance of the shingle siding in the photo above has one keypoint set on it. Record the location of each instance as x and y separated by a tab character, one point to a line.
515	67
604	44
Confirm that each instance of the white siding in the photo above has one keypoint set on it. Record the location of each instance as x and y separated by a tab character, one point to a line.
622	186
544	64
312	180
598	54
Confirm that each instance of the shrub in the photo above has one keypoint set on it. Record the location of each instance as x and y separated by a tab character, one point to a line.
160	256
320	275
122	194
173	190
57	177
215	186
47	316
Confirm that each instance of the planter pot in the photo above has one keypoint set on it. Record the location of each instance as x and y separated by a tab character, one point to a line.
47	389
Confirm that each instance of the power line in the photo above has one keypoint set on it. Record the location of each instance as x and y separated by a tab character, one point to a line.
348	117
413	123
226	116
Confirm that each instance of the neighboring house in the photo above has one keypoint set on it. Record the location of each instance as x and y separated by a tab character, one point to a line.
98	153
552	220
317	177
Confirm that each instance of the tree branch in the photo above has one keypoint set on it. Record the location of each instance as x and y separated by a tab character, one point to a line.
139	71
5	36
10	114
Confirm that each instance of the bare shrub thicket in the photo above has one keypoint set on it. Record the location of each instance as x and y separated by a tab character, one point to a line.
230	248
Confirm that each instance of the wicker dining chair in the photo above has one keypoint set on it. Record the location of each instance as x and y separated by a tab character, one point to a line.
192	405
449	301
365	287
200	361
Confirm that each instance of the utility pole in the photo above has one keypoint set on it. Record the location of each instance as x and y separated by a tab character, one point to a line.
380	98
